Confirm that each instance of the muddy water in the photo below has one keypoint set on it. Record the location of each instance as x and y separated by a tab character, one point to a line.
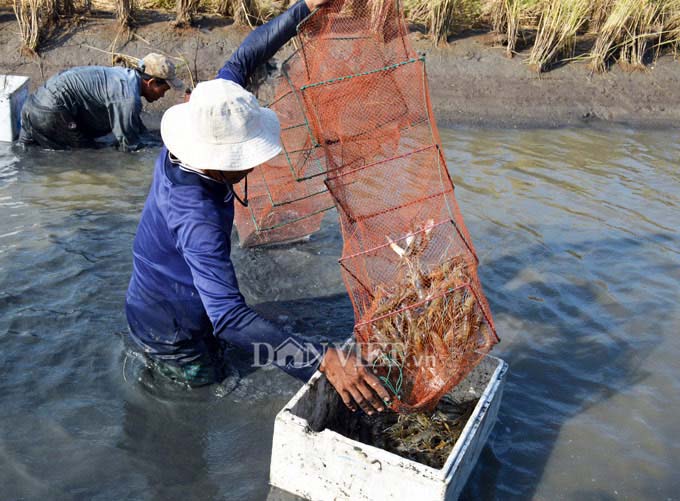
576	233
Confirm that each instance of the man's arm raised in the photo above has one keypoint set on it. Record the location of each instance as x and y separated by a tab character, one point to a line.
263	42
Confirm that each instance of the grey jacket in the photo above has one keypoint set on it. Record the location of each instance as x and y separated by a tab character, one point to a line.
100	100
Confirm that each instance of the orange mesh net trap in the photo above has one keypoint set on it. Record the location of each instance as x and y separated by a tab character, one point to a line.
358	133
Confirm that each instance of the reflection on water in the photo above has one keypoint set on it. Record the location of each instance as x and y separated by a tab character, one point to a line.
579	257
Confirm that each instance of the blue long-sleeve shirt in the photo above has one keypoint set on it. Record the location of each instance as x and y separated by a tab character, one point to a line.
183	288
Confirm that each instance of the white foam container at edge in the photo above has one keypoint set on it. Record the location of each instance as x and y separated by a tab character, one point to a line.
325	465
13	94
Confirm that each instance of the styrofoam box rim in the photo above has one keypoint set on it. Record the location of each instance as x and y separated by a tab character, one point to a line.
16	82
444	474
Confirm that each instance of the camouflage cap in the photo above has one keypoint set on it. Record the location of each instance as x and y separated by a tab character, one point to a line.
160	66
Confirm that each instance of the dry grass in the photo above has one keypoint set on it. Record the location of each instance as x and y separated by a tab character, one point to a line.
37	18
124	12
625	30
510	17
670	18
68	7
443	18
600	11
29	14
242	11
560	21
628	31
50	10
185	12
646	31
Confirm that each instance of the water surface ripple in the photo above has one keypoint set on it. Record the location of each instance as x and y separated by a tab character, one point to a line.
576	234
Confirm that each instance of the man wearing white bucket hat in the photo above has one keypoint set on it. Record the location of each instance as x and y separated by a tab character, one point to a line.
183	301
222	128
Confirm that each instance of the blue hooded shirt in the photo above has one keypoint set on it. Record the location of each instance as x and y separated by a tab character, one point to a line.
183	292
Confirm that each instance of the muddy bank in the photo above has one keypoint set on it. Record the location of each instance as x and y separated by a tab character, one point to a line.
474	83
471	82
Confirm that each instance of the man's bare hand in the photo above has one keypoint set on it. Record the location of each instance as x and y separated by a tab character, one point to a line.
355	384
313	4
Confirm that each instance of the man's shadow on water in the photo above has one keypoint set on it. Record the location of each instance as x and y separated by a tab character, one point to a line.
166	445
582	361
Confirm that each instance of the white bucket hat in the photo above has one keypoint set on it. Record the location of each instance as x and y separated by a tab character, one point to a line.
222	127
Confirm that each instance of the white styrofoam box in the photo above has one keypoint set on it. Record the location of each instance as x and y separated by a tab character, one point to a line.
316	463
13	94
